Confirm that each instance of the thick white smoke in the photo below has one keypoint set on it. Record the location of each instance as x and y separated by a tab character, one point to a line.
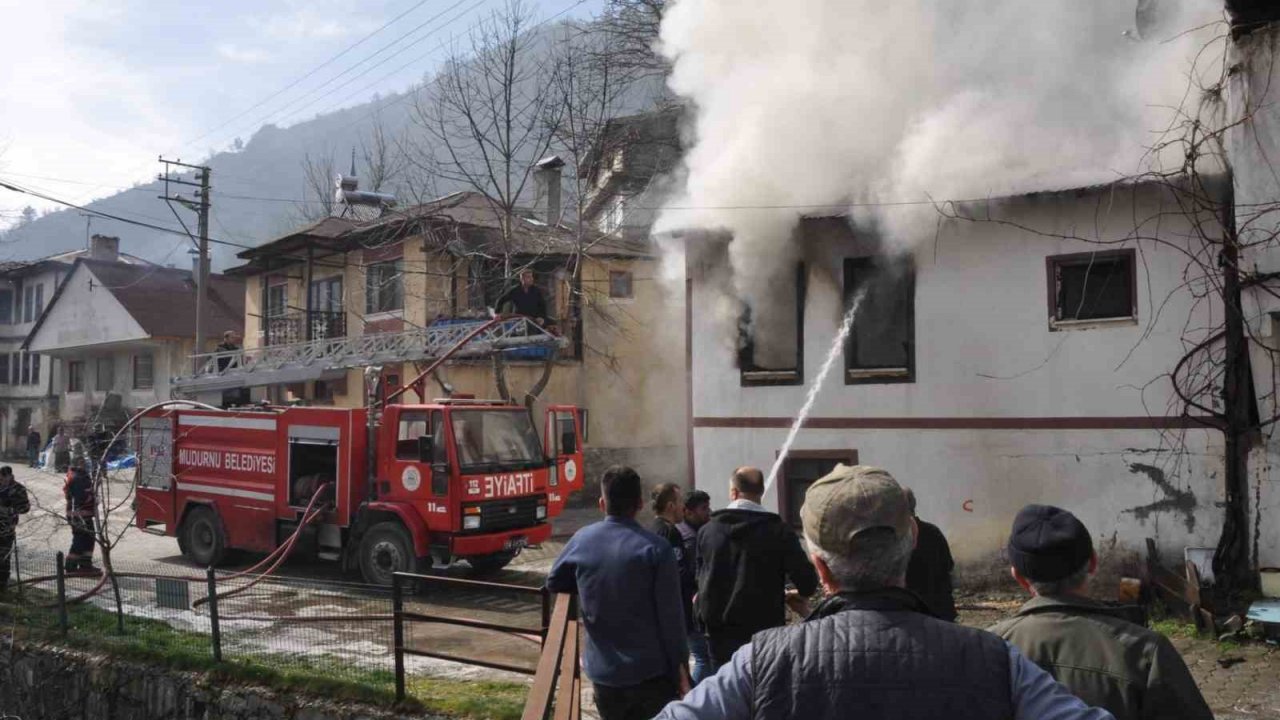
808	103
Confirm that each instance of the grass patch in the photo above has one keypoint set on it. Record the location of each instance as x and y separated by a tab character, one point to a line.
155	642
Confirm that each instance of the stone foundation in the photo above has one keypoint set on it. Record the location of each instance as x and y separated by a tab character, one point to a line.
53	683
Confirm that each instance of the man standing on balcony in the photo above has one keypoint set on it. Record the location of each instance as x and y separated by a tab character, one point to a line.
230	344
526	299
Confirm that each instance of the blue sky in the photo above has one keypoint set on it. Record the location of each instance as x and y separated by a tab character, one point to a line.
96	89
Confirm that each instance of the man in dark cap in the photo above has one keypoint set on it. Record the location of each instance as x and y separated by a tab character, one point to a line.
929	573
1089	646
871	650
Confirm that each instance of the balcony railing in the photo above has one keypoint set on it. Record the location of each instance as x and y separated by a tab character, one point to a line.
301	327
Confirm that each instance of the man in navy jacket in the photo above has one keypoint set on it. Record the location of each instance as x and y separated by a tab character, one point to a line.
628	589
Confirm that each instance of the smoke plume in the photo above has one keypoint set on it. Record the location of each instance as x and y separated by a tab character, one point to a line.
826	106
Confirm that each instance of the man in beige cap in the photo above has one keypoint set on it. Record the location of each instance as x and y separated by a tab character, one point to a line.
872	650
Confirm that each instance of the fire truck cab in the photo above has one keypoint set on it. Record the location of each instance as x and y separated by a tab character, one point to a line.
421	483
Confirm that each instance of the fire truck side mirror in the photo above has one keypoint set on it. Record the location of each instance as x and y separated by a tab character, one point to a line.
425	448
568	443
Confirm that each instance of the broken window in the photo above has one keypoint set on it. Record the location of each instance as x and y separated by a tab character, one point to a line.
771	337
384	287
881	345
1092	287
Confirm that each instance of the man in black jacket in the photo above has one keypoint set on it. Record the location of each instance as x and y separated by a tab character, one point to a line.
13	502
929	573
525	299
745	556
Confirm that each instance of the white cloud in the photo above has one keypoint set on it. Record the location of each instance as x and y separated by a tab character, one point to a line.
76	109
314	23
239	54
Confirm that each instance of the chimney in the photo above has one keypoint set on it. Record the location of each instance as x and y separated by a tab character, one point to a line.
546	189
102	247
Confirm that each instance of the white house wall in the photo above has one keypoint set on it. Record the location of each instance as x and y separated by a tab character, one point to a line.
86	314
1254	147
1002	411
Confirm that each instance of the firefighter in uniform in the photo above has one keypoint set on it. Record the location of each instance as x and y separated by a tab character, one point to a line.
13	502
81	500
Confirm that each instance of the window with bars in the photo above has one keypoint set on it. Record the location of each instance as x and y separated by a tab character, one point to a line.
143	372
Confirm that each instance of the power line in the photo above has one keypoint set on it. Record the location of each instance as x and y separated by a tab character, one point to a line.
109	216
308	74
289	106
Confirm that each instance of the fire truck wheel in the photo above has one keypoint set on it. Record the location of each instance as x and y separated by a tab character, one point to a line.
489	564
202	540
386	549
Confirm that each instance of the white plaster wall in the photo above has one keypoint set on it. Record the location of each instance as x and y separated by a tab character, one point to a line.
984	350
86	314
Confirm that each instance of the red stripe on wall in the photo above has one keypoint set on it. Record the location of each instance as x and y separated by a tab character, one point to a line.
963	423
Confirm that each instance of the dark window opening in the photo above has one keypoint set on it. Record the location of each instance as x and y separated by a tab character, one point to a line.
771	339
881	344
277	300
75	376
6	307
34	359
800	470
106	376
1090	287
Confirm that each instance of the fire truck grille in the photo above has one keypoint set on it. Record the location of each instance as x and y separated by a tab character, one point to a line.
508	513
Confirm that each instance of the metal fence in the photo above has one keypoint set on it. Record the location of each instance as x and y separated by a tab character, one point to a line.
314	629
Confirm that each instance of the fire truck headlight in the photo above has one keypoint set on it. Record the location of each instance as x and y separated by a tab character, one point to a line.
541	512
471	522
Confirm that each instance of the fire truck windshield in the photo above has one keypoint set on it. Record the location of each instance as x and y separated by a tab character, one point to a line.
490	440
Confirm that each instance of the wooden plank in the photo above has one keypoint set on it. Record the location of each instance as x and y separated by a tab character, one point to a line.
568	667
544	680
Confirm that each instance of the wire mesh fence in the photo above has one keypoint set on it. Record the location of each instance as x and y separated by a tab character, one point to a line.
316	631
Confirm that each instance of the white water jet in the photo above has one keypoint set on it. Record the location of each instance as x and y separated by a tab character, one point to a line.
812	396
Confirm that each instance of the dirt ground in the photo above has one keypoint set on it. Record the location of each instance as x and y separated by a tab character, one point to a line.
1239	680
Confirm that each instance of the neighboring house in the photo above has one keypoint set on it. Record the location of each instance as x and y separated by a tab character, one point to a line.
29	389
122	331
627	171
448	259
989	367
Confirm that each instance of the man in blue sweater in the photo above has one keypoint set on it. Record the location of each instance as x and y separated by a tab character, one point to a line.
628	591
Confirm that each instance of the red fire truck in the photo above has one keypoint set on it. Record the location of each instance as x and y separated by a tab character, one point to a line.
449	479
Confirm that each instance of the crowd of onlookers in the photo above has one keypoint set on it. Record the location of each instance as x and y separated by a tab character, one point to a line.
688	618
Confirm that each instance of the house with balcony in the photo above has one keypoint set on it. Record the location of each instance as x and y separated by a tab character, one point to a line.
30	382
450	260
120	331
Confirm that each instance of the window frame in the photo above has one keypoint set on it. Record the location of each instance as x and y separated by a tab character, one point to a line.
34	360
6	308
878	375
848	456
332	290
268	307
372	291
75	376
751	376
1053	262
626	276
151	381
28	304
97	373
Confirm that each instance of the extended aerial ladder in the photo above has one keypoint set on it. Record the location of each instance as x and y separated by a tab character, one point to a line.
312	360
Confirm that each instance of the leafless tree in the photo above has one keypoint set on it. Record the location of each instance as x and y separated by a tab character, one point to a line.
318	172
631	31
487	115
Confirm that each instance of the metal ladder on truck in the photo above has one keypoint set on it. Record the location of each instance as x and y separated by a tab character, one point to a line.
311	360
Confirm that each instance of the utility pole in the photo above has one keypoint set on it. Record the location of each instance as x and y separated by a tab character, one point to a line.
200	206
